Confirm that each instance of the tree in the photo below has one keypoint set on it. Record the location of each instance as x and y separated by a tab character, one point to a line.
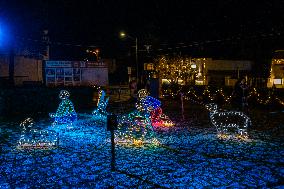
175	68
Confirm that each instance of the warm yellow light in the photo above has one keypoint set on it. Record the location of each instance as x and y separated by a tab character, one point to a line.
137	142
122	34
222	136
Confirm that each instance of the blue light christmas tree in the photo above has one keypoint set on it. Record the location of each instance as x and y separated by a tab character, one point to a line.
65	112
100	112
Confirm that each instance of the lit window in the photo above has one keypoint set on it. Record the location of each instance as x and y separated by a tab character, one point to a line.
193	66
277	81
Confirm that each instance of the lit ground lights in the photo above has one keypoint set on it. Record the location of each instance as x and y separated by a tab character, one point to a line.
187	157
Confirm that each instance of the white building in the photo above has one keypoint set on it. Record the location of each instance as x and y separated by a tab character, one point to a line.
210	71
225	72
25	69
76	73
277	70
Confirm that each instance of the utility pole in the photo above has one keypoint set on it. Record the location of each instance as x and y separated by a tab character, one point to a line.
46	48
123	35
112	126
11	67
45	53
136	58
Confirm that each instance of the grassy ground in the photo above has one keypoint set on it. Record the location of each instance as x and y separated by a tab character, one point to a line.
189	154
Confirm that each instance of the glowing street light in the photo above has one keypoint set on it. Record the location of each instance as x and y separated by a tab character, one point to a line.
7	43
6	39
3	37
122	34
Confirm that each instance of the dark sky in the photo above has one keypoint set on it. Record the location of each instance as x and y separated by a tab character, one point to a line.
201	27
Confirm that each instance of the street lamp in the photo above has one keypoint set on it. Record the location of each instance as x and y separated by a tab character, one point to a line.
124	35
6	42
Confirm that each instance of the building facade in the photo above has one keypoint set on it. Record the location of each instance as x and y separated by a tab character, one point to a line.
76	73
208	71
26	70
277	70
224	72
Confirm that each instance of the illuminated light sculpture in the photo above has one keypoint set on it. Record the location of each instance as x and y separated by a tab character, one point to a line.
65	112
160	119
206	96
100	113
191	96
137	126
152	106
229	123
32	138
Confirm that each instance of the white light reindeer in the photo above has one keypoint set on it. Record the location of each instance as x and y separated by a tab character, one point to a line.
32	138
228	122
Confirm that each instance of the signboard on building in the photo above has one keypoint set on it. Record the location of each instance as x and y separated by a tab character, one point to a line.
76	73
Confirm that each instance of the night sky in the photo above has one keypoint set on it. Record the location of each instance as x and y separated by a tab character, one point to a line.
229	28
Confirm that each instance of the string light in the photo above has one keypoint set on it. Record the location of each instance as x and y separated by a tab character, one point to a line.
159	119
211	96
229	122
36	139
137	126
175	69
163	46
65	113
206	96
100	112
152	106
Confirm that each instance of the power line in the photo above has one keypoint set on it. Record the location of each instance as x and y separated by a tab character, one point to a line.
57	43
164	46
202	43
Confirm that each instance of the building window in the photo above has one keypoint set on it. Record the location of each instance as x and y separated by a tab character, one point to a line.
277	81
